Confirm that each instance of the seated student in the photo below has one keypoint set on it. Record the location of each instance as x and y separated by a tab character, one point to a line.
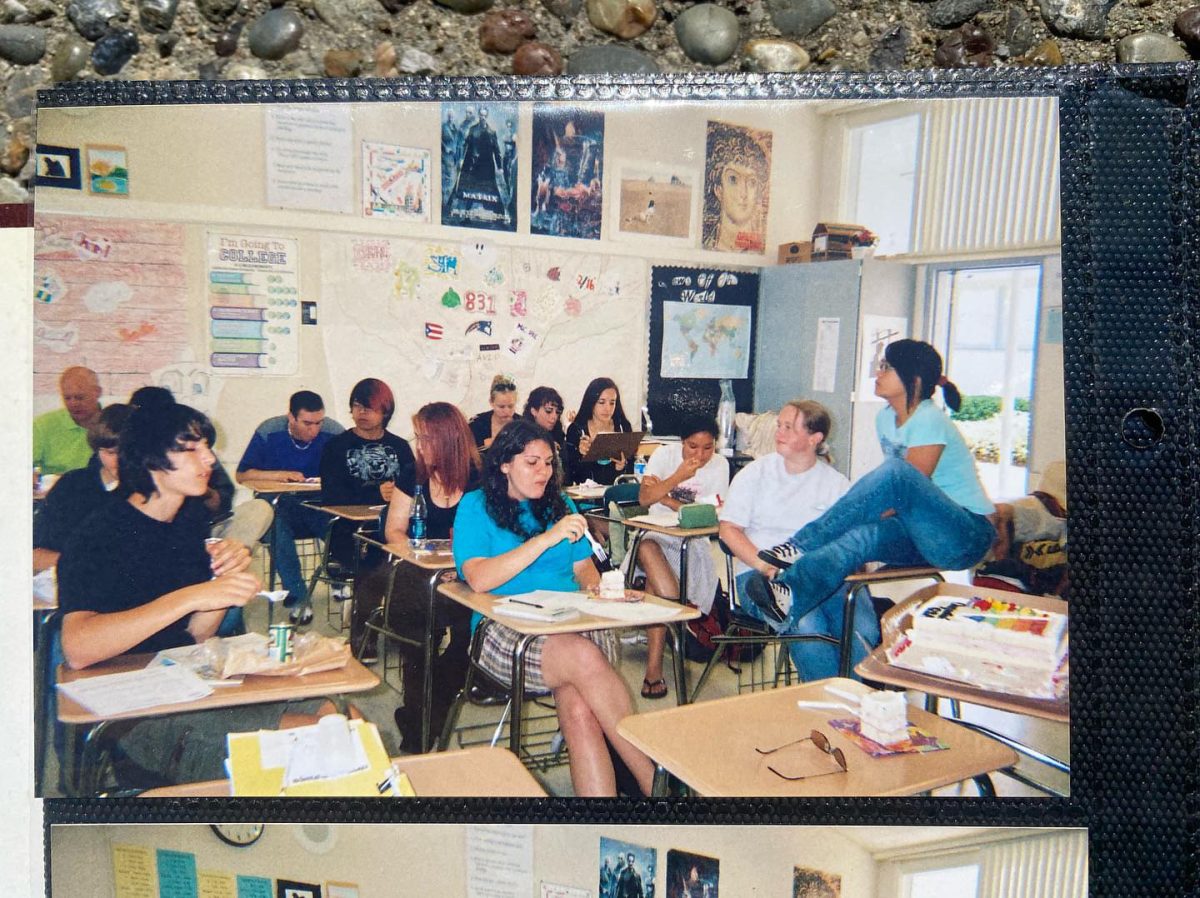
287	449
244	523
518	534
503	399
677	474
924	505
769	500
599	412
60	437
448	467
362	466
139	578
80	492
544	407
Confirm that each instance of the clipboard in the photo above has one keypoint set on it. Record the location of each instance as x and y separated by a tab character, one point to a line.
613	445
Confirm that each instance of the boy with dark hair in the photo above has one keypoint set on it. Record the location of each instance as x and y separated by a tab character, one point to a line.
287	449
140	578
80	492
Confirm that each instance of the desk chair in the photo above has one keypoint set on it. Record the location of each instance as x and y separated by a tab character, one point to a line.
338	576
744	629
542	743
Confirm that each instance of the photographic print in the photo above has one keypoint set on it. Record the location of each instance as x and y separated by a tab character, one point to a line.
657	202
108	171
691	875
58	167
479	165
626	870
567	159
396	182
810	883
737	188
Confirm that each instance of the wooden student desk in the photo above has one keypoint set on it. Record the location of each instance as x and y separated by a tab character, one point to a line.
422	572
673	616
876	667
252	691
681	533
481	772
710	747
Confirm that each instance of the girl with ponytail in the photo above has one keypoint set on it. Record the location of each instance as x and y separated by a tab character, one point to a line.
924	505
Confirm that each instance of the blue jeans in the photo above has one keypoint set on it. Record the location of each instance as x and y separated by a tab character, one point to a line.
928	528
813	659
294	520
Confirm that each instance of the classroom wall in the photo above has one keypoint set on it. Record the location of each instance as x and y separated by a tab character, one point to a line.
203	167
428	859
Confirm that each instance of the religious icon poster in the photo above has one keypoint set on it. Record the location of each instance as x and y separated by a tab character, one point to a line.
737	188
479	165
567	159
811	883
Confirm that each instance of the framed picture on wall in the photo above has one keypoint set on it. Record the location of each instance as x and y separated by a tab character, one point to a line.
108	170
58	167
286	888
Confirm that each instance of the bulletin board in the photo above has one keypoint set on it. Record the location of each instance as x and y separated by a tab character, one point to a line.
701	330
110	295
441	318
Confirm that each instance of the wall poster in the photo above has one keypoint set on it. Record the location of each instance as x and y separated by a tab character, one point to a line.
479	165
568	164
737	188
253	304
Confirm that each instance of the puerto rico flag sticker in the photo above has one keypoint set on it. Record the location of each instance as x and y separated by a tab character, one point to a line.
433	331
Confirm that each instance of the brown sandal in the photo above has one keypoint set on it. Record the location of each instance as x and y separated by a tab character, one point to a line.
656	689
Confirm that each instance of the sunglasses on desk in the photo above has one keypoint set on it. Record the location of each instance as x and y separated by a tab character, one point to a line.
821	741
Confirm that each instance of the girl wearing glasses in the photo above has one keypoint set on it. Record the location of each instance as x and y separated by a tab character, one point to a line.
923	506
518	534
503	399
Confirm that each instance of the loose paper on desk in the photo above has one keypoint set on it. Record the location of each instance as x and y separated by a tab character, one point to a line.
45	585
658	519
499	861
120	693
325	751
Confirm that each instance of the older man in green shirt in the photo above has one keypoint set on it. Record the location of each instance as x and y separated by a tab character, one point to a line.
60	437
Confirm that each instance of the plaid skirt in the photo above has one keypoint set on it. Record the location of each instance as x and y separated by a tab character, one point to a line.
500	644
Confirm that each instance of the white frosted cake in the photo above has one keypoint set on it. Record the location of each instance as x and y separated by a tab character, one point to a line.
612	585
992	644
883	717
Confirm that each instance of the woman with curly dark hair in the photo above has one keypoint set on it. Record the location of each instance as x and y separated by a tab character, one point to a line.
518	534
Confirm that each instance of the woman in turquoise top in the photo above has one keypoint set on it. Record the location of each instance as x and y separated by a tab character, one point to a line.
923	506
518	534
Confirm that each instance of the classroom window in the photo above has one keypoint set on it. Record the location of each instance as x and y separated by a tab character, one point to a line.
946	882
881	179
985	324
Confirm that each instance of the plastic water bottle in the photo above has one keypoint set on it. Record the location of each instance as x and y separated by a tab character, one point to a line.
417	517
726	409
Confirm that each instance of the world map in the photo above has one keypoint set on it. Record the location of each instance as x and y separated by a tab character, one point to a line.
705	340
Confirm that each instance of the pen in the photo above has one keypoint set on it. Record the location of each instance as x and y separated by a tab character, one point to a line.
530	604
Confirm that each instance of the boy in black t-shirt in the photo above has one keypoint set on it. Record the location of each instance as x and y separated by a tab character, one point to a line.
139	578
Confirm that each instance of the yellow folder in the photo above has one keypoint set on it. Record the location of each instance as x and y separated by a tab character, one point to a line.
250	778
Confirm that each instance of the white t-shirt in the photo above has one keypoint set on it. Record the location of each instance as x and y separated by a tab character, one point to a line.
770	504
709	482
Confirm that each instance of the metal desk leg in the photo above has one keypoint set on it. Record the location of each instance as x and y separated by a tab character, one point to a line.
518	694
631	567
677	655
430	648
661	786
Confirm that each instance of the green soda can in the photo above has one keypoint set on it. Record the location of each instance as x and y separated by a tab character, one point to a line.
281	642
